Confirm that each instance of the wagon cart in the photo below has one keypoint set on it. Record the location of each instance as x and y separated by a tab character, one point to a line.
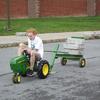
73	50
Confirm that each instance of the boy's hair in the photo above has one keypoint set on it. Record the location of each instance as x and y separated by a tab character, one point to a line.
32	30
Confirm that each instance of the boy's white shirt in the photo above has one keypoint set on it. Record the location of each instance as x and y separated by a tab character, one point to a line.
36	44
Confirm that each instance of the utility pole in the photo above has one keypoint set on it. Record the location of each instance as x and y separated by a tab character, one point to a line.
8	27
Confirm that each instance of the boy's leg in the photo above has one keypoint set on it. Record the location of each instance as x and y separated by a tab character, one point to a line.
32	60
34	56
21	48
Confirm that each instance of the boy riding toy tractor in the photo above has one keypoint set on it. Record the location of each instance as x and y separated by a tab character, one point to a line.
20	64
29	58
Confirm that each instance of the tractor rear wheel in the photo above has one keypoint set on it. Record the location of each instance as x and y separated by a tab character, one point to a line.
43	69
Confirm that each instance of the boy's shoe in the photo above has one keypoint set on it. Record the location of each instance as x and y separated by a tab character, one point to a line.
29	72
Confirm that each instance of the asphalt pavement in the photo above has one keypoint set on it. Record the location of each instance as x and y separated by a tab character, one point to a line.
65	83
68	82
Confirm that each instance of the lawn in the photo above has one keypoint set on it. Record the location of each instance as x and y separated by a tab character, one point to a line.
52	24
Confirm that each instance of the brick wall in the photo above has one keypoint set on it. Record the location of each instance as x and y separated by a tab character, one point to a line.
2	8
33	8
18	8
91	7
97	7
41	8
63	7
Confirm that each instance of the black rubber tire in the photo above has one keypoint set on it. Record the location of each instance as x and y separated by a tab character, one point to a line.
82	62
63	61
41	66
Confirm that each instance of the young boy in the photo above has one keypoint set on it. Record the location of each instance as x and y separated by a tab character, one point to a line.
35	48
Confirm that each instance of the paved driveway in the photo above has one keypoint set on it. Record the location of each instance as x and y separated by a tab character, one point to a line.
65	83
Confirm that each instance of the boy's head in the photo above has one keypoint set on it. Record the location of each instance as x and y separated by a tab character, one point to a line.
31	33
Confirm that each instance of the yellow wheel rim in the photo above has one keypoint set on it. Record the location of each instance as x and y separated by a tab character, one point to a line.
45	69
19	78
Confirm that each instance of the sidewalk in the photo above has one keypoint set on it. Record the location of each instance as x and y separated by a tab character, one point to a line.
9	41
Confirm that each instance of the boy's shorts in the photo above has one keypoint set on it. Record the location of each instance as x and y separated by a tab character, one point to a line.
37	56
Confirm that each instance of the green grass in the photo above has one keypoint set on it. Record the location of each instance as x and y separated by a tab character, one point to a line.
58	24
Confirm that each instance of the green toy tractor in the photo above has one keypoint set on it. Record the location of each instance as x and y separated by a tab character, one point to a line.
20	64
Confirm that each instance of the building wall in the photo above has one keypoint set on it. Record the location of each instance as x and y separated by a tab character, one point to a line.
42	8
63	7
2	8
33	8
97	7
18	8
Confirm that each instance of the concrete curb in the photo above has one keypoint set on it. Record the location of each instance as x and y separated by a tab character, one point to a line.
17	43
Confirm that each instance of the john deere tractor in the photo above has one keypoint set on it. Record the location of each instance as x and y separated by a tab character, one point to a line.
20	64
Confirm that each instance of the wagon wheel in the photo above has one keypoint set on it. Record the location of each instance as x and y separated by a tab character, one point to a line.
63	61
16	78
43	69
82	62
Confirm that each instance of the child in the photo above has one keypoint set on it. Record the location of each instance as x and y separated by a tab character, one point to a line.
35	48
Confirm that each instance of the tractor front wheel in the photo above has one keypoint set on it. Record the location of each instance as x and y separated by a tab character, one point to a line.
16	78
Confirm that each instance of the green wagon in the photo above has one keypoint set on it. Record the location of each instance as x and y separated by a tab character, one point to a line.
74	46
